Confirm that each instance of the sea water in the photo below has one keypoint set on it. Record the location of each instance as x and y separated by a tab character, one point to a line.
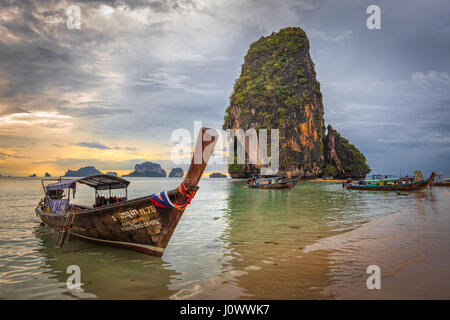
311	242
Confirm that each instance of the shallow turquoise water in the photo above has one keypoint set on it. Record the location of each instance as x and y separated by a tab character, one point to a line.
232	242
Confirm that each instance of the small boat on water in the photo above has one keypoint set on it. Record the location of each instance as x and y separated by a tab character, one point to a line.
391	184
144	224
272	183
442	182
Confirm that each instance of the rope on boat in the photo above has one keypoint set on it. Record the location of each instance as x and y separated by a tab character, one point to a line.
163	201
65	228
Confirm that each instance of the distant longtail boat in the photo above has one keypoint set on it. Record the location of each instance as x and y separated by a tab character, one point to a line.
419	185
144	224
442	182
272	183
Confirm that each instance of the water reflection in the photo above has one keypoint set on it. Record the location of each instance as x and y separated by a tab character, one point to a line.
267	230
106	273
314	241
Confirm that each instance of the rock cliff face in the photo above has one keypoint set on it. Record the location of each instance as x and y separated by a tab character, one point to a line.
343	160
147	169
277	89
82	172
176	173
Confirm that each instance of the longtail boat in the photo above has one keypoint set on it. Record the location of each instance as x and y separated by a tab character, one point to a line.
144	224
418	185
272	183
442	182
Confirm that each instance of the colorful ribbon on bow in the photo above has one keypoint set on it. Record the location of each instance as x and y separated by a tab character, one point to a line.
163	201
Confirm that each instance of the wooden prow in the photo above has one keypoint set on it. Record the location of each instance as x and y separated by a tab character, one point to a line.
204	147
152	225
431	179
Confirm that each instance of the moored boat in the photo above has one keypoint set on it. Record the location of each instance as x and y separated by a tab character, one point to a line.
442	182
144	224
272	183
391	184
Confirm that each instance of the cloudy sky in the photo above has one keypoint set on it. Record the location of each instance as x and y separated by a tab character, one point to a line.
111	93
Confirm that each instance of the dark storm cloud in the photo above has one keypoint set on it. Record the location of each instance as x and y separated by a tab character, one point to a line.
159	65
98	145
91	112
93	145
39	59
156	5
386	90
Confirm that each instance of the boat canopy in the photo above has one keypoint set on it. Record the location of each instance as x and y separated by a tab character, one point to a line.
268	179
98	182
385	179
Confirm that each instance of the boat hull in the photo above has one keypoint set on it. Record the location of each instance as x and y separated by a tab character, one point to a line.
138	224
135	224
283	185
438	184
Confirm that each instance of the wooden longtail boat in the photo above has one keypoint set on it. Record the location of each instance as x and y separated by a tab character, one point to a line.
419	185
144	224
442	182
272	183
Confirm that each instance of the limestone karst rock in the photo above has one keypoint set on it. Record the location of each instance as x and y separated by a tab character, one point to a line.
278	89
176	173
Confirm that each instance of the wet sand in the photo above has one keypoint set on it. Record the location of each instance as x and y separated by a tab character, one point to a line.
411	247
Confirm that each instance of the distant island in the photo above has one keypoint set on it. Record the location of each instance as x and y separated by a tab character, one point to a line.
82	172
111	173
147	169
217	175
176	173
32	175
47	175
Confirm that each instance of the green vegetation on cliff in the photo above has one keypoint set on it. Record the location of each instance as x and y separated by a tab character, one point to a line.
278	89
274	74
344	160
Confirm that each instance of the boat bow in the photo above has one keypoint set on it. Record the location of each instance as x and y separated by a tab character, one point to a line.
145	224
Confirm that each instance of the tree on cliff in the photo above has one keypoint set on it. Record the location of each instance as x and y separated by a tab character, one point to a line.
278	89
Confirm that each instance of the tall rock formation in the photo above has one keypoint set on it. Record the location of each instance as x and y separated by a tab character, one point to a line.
277	89
343	160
